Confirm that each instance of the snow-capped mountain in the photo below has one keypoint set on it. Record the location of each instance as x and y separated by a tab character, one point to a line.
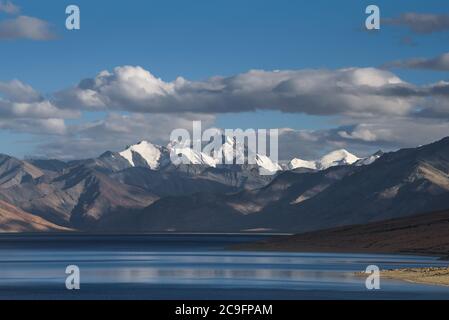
332	159
336	158
152	155
146	154
299	163
190	156
155	157
232	151
266	165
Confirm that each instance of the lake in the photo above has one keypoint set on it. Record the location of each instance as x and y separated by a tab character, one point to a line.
192	266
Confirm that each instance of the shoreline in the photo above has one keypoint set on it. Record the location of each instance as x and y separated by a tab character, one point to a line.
278	244
87	233
262	247
429	276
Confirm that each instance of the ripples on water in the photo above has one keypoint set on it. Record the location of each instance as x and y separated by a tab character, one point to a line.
193	267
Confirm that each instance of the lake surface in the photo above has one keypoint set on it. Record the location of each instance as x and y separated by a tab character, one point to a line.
191	267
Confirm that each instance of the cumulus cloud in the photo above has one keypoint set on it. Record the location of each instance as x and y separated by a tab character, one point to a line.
18	91
373	109
397	132
42	109
315	92
23	109
9	7
362	137
51	126
25	27
19	100
438	106
439	63
421	23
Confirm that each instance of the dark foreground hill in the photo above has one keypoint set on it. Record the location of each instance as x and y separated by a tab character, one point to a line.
424	234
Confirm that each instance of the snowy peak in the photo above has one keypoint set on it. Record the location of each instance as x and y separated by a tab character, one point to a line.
190	156
266	165
152	155
299	163
232	150
337	158
147	154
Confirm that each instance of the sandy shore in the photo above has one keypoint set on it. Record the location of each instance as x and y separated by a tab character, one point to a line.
425	235
434	276
427	275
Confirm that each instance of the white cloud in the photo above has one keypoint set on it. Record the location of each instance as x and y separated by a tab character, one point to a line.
35	126
23	109
19	100
41	109
373	109
317	92
397	132
360	133
25	27
9	7
18	91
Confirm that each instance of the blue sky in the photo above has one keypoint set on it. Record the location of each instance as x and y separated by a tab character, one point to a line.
200	39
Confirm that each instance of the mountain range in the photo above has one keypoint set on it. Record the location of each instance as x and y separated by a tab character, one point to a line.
140	190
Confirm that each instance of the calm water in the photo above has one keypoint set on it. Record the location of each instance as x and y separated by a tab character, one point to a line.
191	267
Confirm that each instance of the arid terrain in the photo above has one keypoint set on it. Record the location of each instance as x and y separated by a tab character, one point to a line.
438	276
13	219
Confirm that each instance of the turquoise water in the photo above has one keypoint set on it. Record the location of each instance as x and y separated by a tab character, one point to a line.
192	267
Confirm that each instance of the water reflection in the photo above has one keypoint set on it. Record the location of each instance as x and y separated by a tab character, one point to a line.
185	267
200	268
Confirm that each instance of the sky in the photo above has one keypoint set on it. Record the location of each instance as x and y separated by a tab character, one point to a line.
138	69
